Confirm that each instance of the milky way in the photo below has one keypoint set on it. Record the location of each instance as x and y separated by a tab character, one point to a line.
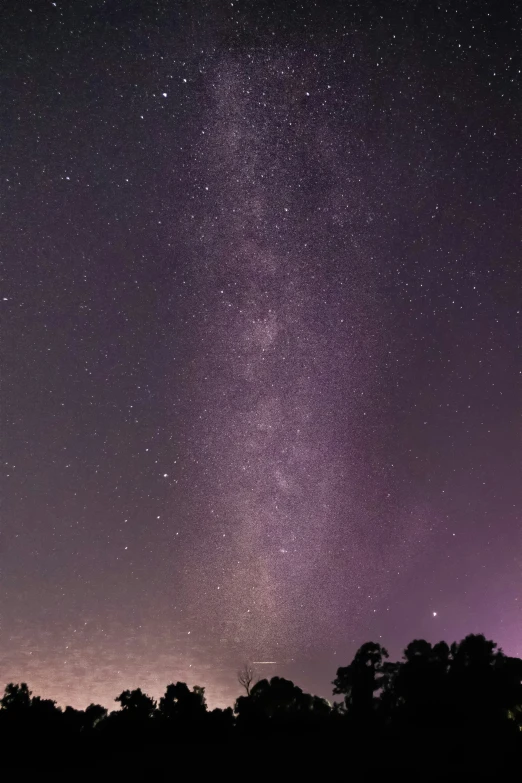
288	348
262	340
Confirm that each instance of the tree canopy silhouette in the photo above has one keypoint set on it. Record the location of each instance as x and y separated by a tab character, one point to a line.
467	692
182	704
362	679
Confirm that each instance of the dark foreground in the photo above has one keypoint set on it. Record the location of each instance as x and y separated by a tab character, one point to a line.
351	758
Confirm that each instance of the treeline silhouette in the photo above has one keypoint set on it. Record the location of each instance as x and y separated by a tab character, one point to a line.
454	705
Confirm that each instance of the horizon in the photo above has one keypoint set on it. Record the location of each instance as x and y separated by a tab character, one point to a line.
221	700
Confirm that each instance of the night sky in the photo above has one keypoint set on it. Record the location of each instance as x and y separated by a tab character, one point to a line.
261	342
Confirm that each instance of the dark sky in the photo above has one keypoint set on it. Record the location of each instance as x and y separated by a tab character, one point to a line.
261	342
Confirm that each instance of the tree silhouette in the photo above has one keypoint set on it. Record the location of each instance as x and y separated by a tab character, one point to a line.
274	698
419	683
16	698
279	702
44	709
179	702
360	681
483	683
94	713
246	677
136	703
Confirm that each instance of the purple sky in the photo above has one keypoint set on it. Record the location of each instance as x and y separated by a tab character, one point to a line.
261	338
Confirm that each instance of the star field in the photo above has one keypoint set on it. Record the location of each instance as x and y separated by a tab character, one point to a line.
261	338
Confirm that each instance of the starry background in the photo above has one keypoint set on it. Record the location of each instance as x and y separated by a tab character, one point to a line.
261	385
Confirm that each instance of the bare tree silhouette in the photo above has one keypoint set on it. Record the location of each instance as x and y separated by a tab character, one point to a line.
247	677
